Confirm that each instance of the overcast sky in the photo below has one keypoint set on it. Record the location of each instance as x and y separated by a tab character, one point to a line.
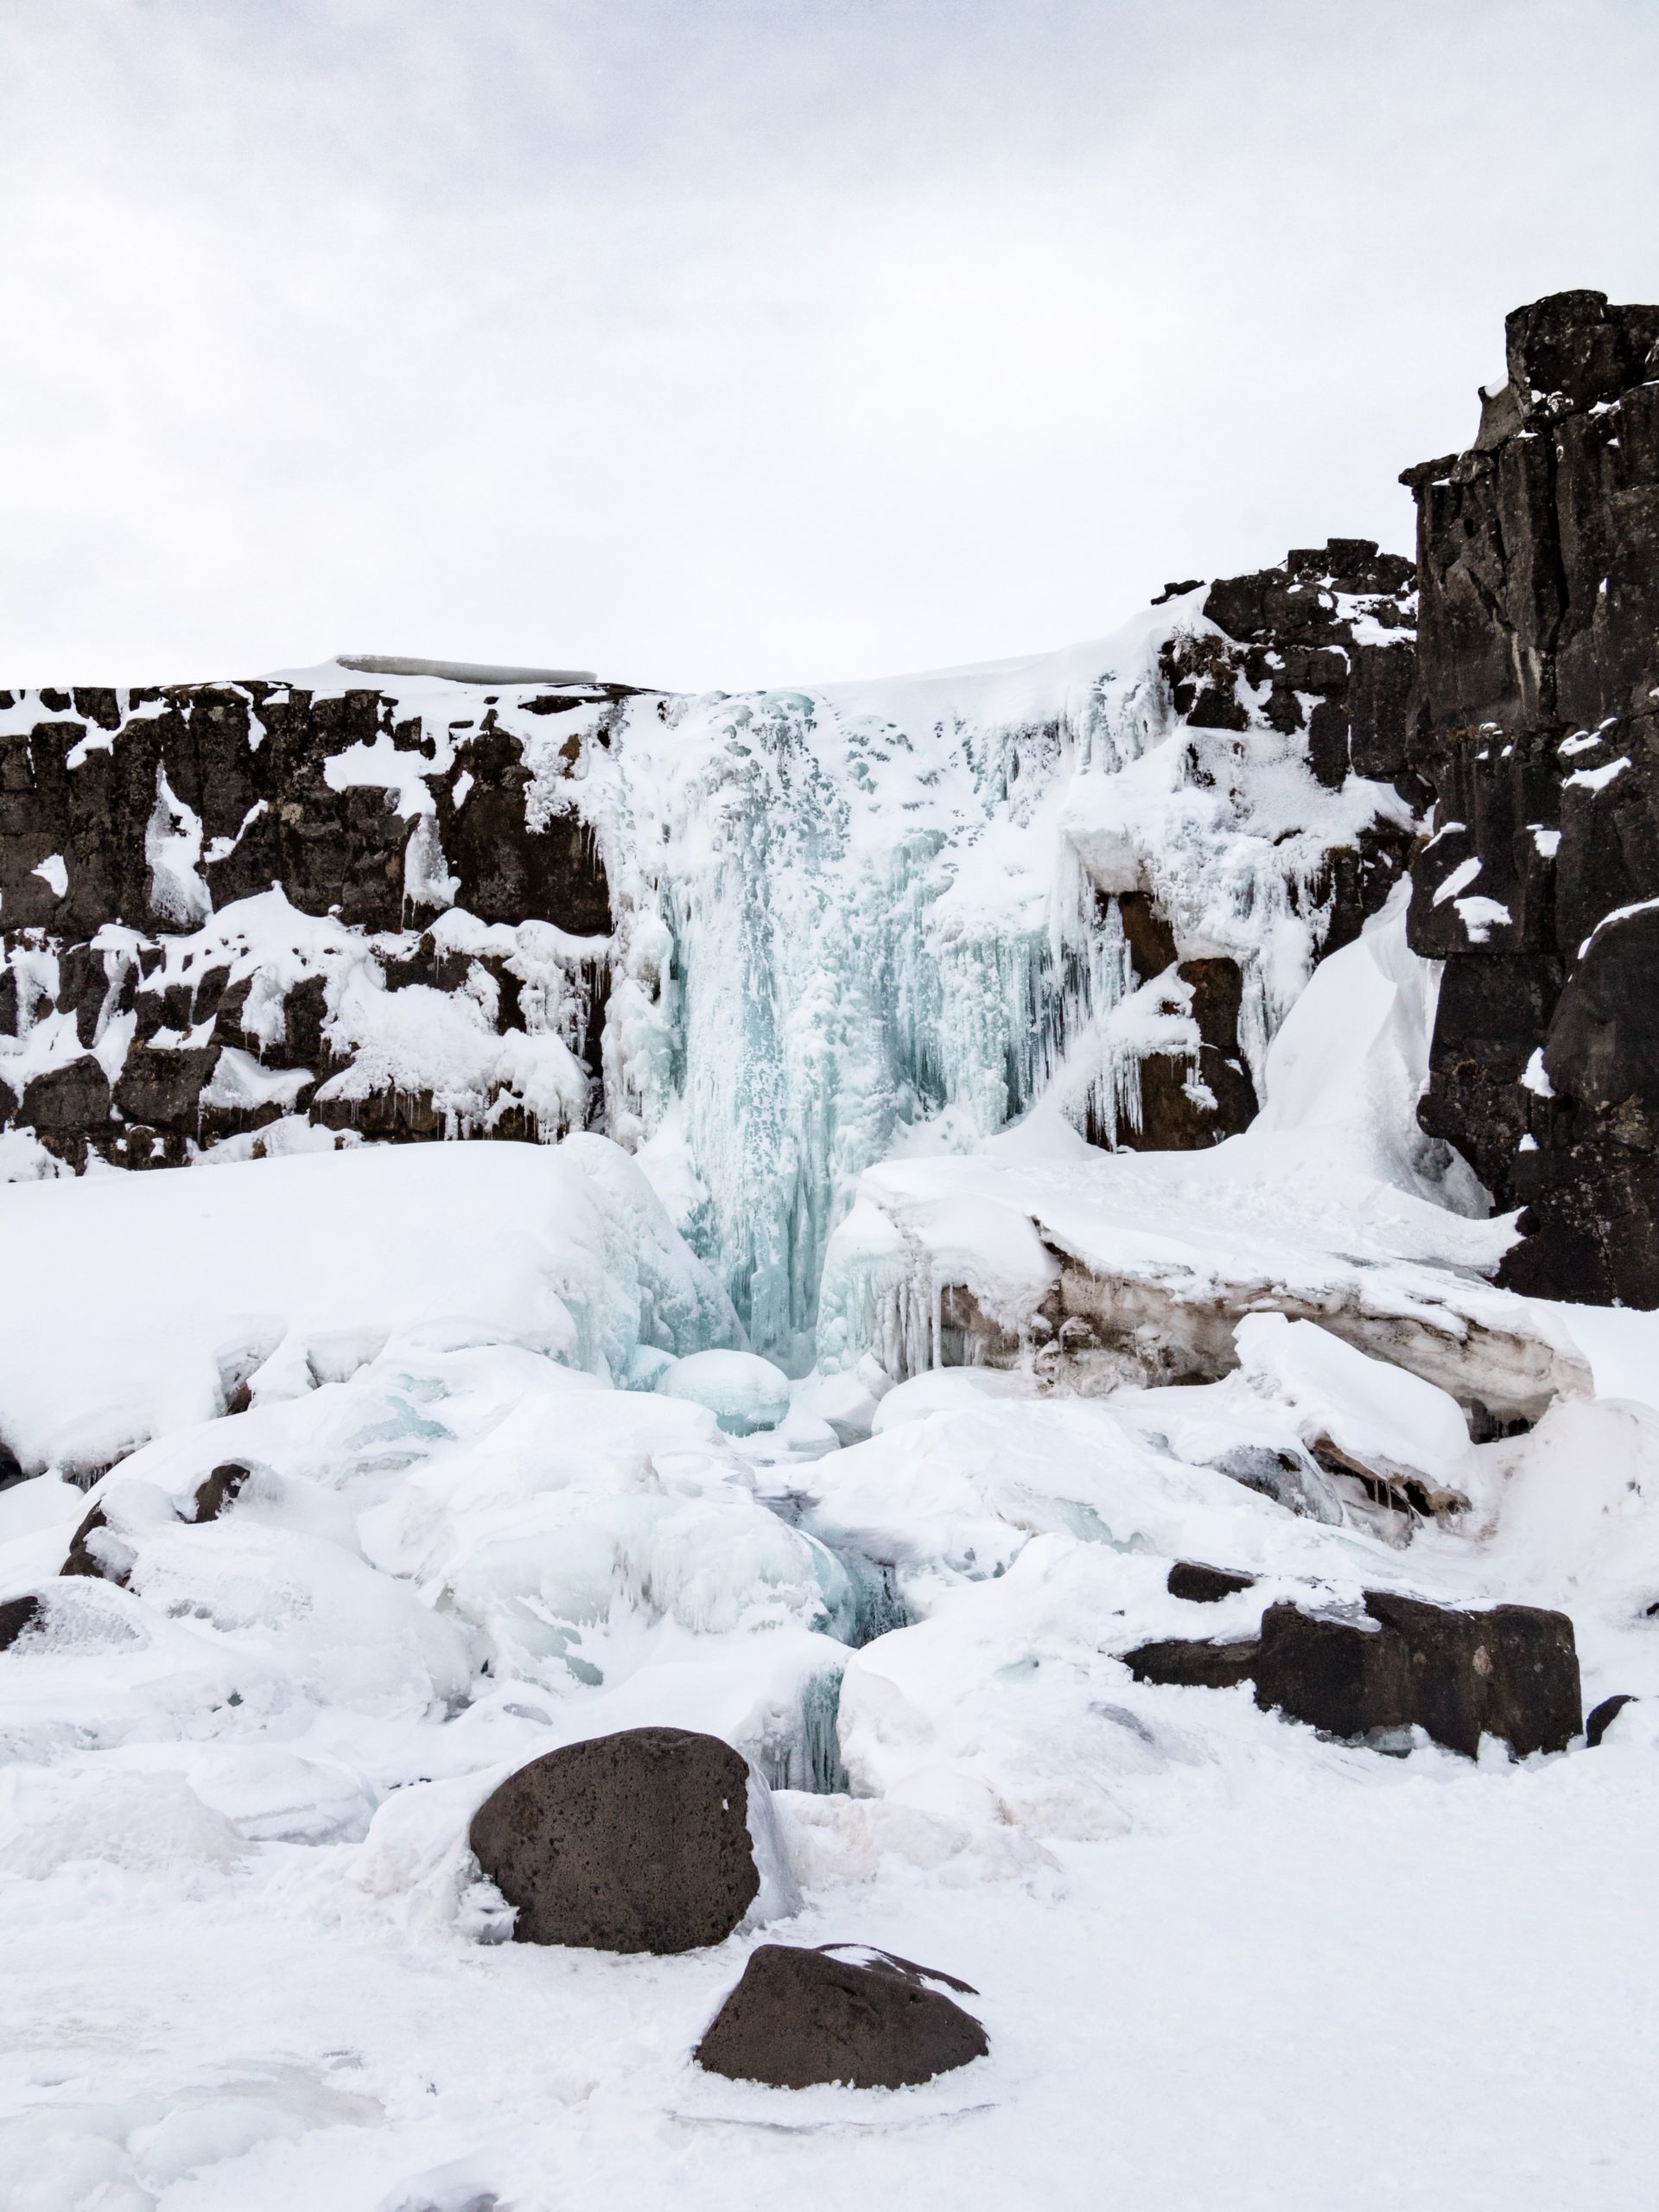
731	342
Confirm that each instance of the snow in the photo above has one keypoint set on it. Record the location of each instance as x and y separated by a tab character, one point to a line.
520	1472
259	1969
137	1296
743	1392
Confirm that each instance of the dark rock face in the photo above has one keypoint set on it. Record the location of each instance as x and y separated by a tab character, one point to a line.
139	828
801	2017
17	1616
1321	651
1536	718
634	1842
1510	1672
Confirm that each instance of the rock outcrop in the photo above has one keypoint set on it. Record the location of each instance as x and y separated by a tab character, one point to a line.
17	1616
1536	719
1512	1672
223	905
1321	651
872	2021
634	1842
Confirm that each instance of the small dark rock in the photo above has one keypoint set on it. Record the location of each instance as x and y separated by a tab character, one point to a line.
1603	1718
637	1842
16	1615
222	1488
1204	1585
81	1558
799	2017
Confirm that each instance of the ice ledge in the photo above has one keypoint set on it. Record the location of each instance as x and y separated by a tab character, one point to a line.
459	672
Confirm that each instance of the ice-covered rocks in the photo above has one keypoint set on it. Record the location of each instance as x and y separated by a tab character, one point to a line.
744	1392
1512	1672
839	2013
654	1839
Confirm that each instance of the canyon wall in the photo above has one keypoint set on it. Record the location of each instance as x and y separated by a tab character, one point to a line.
1537	719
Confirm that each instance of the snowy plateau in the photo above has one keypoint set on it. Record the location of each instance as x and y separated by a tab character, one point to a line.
902	1331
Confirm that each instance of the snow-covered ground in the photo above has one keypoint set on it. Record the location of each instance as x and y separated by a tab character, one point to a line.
1222	1960
517	1478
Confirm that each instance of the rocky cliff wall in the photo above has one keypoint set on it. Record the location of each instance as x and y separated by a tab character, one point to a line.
225	906
272	913
1536	718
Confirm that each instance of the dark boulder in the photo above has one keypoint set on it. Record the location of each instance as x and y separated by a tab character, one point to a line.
68	1100
17	1615
161	1085
1510	1671
634	1842
1340	1677
1204	1585
872	2021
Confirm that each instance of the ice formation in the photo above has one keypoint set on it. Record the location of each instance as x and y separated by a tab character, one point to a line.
875	918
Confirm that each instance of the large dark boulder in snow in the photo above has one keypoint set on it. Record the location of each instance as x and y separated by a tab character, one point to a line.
872	2021
1510	1671
1536	716
634	1842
